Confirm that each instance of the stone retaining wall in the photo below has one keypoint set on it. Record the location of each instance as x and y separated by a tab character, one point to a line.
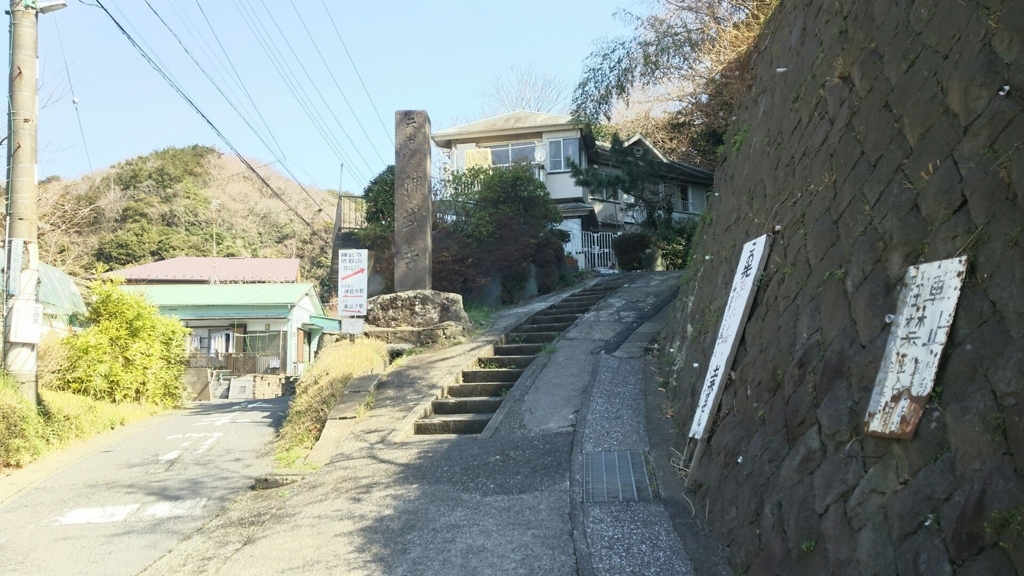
883	143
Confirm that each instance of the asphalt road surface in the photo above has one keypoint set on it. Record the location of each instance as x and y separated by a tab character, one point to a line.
120	509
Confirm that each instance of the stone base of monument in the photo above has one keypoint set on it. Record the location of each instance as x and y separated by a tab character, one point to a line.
416	317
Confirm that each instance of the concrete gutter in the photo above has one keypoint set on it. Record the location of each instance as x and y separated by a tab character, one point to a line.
356	395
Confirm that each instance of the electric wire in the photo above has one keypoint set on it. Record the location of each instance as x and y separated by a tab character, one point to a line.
74	99
254	25
313	84
238	77
225	96
335	80
165	75
358	75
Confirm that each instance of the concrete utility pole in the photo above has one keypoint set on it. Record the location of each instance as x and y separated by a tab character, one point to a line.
22	312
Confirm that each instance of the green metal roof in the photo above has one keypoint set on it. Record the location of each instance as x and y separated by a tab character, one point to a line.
57	291
167	295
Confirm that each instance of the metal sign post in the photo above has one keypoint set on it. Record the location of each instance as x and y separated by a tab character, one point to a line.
734	319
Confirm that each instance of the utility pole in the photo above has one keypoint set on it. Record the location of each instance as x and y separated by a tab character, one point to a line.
22	312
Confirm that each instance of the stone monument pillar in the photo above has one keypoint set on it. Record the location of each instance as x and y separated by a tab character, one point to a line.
413	214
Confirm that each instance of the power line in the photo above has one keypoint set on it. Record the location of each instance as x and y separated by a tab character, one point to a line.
336	84
228	100
313	84
238	76
358	75
202	115
254	25
74	99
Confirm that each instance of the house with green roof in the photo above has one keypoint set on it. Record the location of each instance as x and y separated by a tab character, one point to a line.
269	328
63	307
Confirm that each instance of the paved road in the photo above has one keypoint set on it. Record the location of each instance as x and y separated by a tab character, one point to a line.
120	509
504	502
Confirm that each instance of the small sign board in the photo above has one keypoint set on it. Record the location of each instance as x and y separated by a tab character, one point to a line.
924	316
353	266
351	325
734	319
17	261
26	323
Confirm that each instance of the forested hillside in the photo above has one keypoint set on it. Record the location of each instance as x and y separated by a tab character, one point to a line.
182	202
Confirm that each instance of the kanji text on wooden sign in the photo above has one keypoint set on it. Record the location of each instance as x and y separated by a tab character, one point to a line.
734	319
924	316
352	274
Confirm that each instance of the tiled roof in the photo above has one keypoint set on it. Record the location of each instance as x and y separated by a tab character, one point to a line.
203	269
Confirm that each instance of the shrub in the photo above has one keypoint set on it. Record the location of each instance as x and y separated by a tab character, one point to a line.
629	248
21	427
675	244
319	389
129	353
28	432
71	417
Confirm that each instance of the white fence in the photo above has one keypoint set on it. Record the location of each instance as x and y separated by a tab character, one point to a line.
593	250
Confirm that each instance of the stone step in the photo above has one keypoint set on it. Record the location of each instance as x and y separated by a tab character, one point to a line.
531	337
543	318
475	405
518	349
453	424
582	299
495	375
507	361
577	309
558	327
478	389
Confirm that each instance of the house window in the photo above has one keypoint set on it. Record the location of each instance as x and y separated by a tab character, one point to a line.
507	154
560	151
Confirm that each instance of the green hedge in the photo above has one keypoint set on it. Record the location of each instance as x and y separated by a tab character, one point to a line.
629	248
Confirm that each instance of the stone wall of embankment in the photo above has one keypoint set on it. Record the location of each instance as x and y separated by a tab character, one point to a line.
875	133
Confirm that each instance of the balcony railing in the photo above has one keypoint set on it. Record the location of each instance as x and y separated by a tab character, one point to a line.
239	363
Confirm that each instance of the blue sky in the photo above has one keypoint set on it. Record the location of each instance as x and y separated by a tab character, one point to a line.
433	55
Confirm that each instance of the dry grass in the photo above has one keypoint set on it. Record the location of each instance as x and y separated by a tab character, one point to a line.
318	390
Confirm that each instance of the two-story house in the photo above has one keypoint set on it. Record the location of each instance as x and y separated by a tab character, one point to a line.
548	141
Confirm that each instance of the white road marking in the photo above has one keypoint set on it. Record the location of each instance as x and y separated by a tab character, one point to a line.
127	512
211	437
216	420
174	509
207	444
102	515
170	456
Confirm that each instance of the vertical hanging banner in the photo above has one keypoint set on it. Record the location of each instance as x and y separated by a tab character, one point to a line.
734	319
924	316
353	271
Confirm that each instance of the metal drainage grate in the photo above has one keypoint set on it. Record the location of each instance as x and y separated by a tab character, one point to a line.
621	476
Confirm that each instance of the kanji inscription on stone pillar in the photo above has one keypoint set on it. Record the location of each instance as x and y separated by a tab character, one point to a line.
413	212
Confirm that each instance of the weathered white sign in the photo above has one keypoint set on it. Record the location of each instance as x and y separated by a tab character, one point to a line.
17	260
919	332
734	319
352	275
26	323
351	325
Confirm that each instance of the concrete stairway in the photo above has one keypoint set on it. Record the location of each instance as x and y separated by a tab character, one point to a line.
467	405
